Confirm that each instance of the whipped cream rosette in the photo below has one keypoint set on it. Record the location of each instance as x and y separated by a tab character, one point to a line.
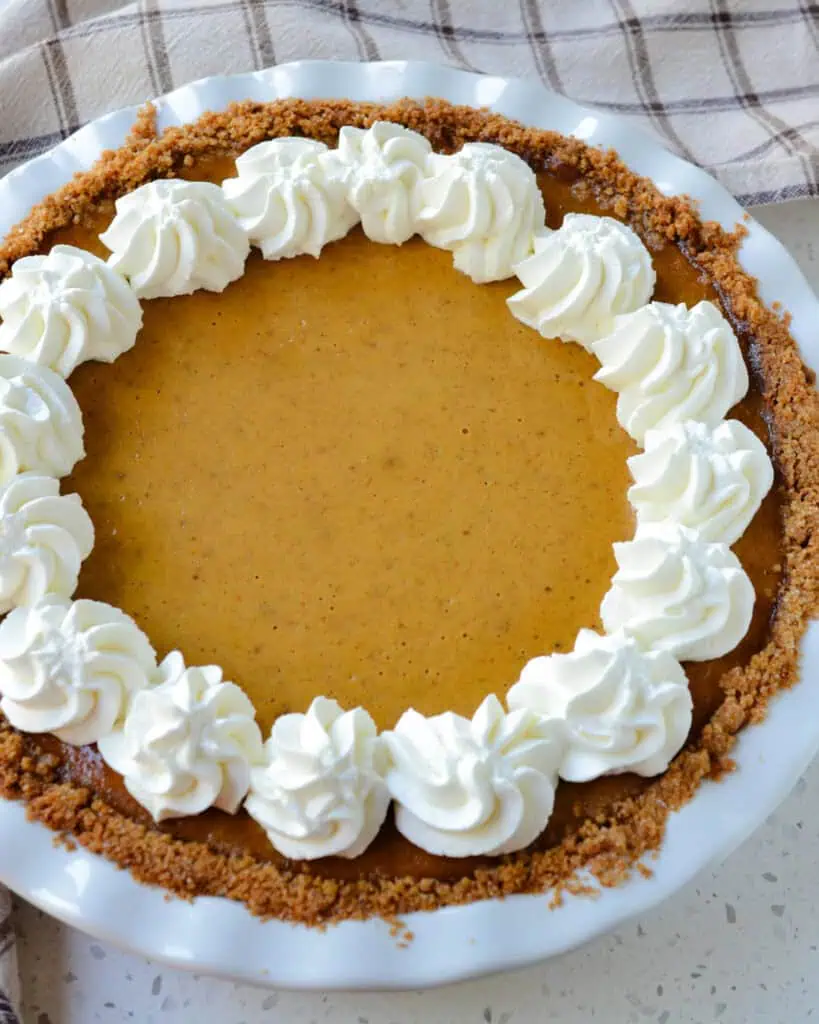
675	592
467	787
41	425
64	308
671	363
711	479
384	166
289	197
70	667
44	537
187	742
321	791
172	237
482	204
624	709
581	277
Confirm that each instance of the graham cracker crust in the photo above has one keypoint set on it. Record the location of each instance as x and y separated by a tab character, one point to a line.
616	843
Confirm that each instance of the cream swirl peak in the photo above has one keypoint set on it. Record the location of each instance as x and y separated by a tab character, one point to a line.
675	592
321	791
482	204
171	237
44	537
581	277
41	425
289	197
384	165
624	710
670	363
70	667
710	479
64	308
465	788
187	742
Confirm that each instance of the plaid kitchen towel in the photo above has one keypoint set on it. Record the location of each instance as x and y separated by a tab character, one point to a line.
732	85
9	993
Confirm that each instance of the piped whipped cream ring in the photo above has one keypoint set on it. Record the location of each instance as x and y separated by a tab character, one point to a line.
183	738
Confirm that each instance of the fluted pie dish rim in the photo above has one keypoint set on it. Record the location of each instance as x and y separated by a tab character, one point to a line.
481	86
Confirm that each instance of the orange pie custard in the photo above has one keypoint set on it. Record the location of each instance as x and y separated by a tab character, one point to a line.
360	477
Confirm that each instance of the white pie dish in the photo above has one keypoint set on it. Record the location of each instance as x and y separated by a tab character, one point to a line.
222	937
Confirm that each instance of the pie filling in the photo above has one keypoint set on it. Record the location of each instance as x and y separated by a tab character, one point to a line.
360	477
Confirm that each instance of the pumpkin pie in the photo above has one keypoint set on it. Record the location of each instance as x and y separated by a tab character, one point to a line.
400	507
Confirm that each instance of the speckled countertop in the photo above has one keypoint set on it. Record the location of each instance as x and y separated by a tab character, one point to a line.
739	945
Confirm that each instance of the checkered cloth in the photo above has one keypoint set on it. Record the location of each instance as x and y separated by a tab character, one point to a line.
732	85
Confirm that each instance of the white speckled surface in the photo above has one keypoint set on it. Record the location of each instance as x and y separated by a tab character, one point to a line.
739	945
